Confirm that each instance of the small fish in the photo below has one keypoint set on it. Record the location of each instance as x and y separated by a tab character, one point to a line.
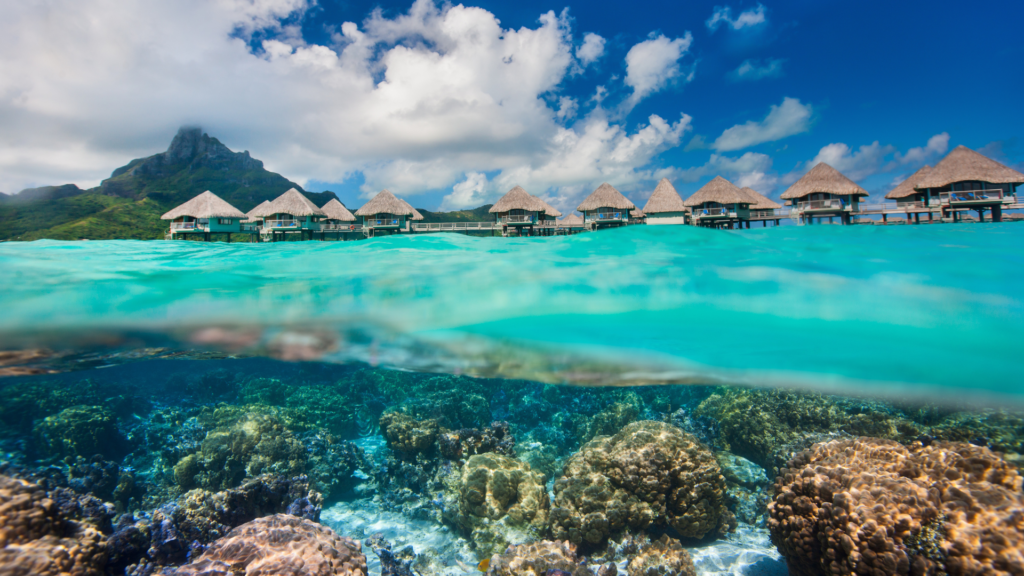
484	565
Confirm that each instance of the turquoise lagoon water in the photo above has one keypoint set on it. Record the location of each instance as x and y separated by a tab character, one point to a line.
933	311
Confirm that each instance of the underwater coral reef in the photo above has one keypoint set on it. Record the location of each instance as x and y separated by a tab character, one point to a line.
255	466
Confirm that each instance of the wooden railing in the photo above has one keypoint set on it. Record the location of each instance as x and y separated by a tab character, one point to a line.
609	216
453	226
281	224
972	196
516	219
384	222
832	204
344	227
184	225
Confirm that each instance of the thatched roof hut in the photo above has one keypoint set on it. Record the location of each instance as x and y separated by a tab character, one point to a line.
718	190
387	203
571	221
260	211
823	178
204	206
665	198
964	164
295	203
518	199
637	213
761	202
906	188
335	210
606	196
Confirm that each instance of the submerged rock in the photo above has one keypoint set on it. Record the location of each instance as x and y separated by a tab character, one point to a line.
539	559
747	488
78	431
497	501
650	473
279	545
409	436
872	506
461	444
663	557
36	539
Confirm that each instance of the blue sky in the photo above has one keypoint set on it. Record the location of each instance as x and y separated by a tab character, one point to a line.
449	106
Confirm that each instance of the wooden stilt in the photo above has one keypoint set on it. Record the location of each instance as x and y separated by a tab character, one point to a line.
997	213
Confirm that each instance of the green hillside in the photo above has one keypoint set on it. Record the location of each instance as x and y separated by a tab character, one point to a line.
130	202
480	214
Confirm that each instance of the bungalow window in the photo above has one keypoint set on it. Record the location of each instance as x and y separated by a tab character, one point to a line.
227	221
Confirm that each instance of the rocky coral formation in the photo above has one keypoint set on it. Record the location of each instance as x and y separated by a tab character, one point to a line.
333	463
407	435
650	473
747	488
279	545
253	445
461	444
496	501
873	506
36	540
609	421
663	557
756	422
539	559
78	431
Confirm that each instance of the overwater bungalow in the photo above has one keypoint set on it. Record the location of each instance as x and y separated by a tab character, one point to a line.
254	218
824	192
571	224
967	180
606	207
338	217
387	214
292	212
204	215
518	212
548	218
665	206
719	204
763	208
637	216
913	201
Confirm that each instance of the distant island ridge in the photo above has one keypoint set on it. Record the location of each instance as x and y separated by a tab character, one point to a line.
128	205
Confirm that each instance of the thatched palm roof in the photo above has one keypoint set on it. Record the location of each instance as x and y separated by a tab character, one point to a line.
606	196
571	220
517	199
964	164
761	202
387	203
637	213
260	211
293	202
906	188
206	205
415	213
823	178
718	190
335	210
549	209
664	199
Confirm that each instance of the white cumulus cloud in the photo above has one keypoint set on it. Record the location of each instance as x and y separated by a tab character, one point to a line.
747	18
756	70
426	100
875	158
653	63
789	118
591	49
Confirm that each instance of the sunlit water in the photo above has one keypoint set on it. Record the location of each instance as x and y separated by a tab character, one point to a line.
910	309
